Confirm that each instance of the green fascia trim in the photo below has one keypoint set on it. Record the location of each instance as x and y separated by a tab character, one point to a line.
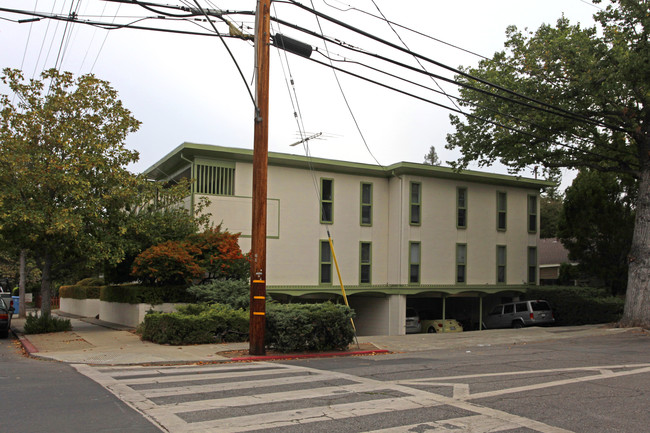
192	150
487	289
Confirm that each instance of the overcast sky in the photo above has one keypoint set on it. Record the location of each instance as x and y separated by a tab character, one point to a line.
187	88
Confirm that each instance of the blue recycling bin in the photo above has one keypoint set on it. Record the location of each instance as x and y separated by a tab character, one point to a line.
16	300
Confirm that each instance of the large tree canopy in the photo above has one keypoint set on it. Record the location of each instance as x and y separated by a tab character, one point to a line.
568	96
63	168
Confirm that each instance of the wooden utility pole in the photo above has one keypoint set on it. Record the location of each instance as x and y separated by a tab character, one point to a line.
260	170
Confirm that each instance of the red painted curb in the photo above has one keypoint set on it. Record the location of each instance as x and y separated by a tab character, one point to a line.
309	355
27	345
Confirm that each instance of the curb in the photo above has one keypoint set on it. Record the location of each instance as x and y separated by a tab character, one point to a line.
27	345
310	355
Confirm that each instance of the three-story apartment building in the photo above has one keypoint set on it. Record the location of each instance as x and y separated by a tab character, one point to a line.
407	234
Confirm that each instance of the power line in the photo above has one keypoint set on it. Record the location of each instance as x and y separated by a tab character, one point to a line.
455	70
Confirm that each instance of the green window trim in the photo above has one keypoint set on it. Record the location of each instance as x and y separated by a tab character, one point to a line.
532	265
532	213
415	203
326	262
461	264
461	207
502	210
365	214
502	268
326	200
365	263
415	258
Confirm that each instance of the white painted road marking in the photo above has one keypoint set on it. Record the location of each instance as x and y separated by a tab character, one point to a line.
161	394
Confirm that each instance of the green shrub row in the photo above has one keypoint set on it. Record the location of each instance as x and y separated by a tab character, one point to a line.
235	293
196	324
308	327
137	294
579	305
80	292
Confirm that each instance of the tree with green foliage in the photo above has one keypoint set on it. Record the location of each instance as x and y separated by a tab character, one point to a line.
431	157
550	211
63	169
596	227
569	96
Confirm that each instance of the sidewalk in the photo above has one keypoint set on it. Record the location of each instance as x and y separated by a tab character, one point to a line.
93	341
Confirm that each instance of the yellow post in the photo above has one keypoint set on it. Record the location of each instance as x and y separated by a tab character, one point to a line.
338	272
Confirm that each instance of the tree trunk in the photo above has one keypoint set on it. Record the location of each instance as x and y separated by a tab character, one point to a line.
46	284
21	283
637	300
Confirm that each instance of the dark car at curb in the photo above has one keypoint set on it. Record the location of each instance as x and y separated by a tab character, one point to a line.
6	311
520	314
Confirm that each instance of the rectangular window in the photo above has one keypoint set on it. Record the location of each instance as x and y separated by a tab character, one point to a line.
416	202
461	263
532	265
461	208
215	180
501	263
532	213
365	262
326	201
414	262
325	263
501	210
366	204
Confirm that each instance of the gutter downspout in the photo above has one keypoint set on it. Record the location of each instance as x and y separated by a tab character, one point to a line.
192	189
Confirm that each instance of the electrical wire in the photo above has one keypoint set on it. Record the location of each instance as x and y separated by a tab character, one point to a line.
363	138
392	23
454	70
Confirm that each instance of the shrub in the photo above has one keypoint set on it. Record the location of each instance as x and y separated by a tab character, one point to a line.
196	324
80	292
168	263
308	327
235	293
92	281
580	305
46	323
213	254
137	294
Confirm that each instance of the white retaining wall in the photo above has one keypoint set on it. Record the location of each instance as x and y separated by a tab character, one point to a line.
113	312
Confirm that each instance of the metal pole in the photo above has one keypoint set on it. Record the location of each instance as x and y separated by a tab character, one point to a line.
260	171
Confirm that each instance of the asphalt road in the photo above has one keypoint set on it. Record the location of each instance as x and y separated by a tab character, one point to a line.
590	385
43	396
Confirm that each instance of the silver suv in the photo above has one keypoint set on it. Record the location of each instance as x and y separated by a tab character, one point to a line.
520	314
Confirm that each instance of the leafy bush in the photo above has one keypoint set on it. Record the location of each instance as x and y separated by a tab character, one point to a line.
92	281
235	293
80	291
137	294
211	254
308	327
579	305
46	323
196	324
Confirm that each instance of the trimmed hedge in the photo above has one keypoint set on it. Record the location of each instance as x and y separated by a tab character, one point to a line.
579	305
80	292
196	324
235	293
137	294
308	327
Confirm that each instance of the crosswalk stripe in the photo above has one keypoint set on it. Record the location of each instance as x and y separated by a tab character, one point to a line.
202	376
309	415
179	390
467	424
122	372
276	397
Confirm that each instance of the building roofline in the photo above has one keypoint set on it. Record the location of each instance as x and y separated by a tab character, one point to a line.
173	159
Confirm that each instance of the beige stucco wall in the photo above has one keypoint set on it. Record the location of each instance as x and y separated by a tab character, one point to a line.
294	228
